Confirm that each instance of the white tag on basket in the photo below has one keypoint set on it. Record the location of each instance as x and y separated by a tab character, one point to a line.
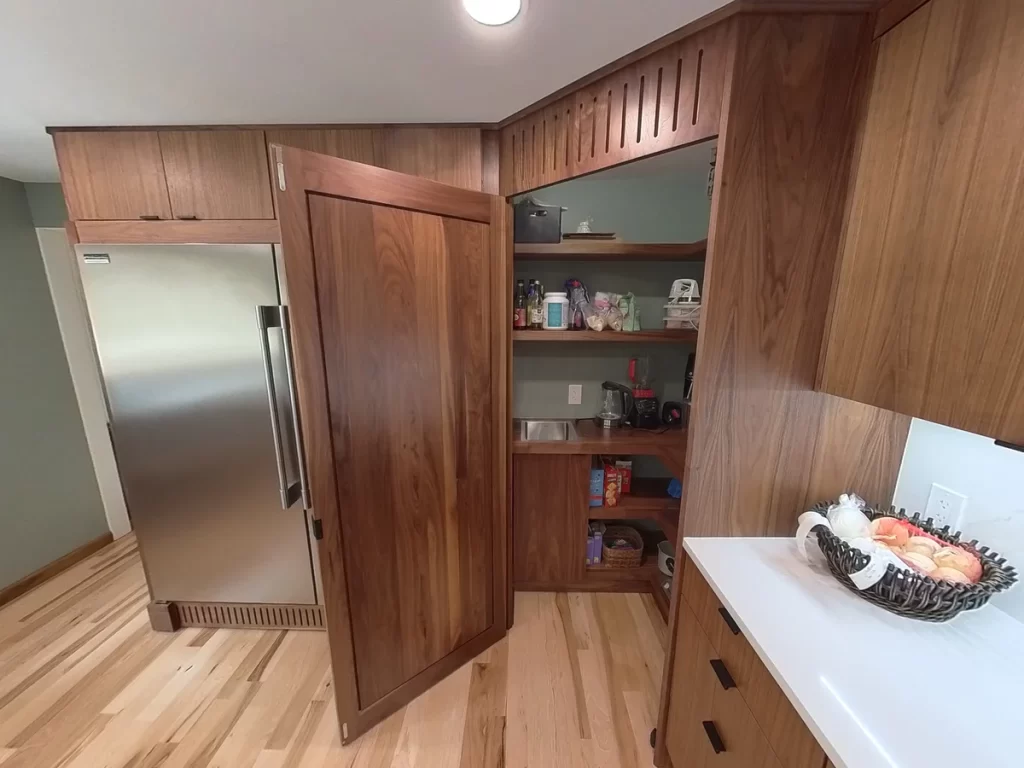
870	574
808	522
879	559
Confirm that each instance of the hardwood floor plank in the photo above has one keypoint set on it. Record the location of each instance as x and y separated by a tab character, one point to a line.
52	688
483	737
434	724
615	681
85	683
573	647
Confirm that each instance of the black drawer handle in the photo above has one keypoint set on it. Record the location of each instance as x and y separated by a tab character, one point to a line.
729	621
188	218
723	674
150	218
713	737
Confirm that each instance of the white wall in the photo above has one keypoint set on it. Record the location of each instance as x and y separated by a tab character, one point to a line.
992	479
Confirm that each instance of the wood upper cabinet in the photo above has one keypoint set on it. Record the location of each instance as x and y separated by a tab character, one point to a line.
449	155
928	304
124	175
217	174
112	174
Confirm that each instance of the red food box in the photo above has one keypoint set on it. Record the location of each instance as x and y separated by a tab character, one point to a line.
625	469
612	485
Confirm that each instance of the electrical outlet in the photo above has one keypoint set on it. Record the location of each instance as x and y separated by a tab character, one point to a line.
946	507
575	394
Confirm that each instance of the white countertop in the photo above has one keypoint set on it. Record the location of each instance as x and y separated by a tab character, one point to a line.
877	690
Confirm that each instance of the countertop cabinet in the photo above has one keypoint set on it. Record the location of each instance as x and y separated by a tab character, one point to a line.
217	174
927	304
724	707
112	174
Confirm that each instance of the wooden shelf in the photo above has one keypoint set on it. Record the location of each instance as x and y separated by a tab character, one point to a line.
611	250
668	336
640	579
592	439
648	500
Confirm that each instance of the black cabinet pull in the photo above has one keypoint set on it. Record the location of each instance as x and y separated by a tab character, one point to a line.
729	621
713	737
150	218
723	674
187	218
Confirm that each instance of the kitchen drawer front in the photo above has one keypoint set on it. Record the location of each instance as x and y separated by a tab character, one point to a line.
709	726
784	728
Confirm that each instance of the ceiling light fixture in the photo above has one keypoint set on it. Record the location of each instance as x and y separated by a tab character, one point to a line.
493	13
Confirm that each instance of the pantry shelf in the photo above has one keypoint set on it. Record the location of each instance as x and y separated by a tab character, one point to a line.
667	336
611	250
649	500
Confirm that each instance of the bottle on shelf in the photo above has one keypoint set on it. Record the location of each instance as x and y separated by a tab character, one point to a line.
535	308
519	311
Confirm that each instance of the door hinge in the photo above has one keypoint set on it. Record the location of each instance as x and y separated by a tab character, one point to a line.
344	731
279	161
318	529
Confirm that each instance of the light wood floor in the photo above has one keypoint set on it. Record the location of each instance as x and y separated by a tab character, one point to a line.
84	681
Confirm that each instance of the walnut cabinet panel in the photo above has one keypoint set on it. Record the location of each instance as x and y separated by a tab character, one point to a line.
927	305
112	175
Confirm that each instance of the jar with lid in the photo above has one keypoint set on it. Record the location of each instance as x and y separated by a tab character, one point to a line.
556	311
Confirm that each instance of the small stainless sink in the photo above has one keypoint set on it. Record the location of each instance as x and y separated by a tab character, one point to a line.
547	429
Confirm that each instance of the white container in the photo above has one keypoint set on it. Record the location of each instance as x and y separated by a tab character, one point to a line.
556	311
684	315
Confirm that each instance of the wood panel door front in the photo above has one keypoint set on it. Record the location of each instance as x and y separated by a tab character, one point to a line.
401	368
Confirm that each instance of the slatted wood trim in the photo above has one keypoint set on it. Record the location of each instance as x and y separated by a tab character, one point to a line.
668	99
251	615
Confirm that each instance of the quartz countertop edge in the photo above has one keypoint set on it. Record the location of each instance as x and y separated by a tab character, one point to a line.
875	689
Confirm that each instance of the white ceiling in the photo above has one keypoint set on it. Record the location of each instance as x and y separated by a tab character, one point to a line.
154	62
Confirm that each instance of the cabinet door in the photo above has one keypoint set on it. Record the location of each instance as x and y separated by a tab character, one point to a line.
692	692
112	174
708	725
549	520
928	303
217	174
398	395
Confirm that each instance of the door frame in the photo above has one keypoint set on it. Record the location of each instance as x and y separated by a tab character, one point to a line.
65	282
296	174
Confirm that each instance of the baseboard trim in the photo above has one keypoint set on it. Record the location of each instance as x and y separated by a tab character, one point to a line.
47	572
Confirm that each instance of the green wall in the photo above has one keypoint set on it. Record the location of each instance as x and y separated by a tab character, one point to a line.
46	203
49	500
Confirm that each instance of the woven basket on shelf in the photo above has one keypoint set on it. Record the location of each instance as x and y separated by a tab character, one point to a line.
910	594
622	557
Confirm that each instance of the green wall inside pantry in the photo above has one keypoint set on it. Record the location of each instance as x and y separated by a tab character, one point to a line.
670	205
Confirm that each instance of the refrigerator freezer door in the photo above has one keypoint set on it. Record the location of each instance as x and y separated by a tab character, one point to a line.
182	357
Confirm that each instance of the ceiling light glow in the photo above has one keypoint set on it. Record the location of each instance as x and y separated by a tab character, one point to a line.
493	12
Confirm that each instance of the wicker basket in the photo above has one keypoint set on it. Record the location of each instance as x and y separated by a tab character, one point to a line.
910	594
622	557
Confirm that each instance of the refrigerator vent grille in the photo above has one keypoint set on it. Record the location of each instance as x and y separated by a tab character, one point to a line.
254	615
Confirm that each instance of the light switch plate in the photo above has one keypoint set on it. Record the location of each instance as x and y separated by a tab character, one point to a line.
575	394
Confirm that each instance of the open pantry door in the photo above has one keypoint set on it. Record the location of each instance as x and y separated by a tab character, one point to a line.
399	323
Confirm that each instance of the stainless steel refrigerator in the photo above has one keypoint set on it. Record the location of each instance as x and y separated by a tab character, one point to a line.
200	392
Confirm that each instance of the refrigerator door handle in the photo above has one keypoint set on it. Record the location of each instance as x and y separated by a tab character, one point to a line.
270	317
300	444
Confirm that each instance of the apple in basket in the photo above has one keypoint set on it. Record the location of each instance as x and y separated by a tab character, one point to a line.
924	553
